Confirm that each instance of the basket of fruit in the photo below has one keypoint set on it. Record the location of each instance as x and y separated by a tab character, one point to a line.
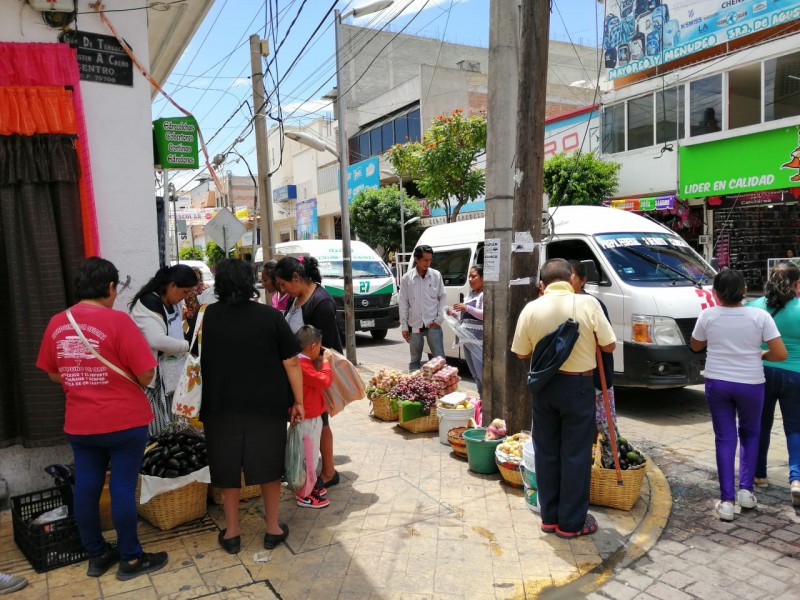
604	490
457	442
508	456
416	399
377	392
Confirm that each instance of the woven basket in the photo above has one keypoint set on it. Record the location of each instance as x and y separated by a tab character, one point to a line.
604	490
245	493
173	508
511	472
382	408
457	442
422	424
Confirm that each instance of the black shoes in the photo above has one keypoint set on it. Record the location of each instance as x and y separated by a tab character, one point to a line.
271	540
231	545
334	480
147	563
98	565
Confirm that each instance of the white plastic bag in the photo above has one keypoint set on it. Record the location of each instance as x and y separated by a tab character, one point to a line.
295	463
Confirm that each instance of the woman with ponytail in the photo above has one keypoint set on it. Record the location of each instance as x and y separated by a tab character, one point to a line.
311	304
156	309
783	379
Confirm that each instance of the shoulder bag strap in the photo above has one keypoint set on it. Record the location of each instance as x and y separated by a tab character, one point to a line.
198	325
91	349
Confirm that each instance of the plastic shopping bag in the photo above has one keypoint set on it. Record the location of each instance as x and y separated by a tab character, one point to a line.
295	464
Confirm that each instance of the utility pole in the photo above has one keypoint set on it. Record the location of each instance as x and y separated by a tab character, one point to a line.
501	127
258	49
509	391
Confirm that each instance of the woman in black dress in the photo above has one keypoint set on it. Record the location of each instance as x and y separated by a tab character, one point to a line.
311	304
252	383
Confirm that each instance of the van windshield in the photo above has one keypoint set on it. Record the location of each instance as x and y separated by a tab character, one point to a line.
647	258
362	269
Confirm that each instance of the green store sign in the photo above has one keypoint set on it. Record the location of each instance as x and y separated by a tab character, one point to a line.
767	160
175	143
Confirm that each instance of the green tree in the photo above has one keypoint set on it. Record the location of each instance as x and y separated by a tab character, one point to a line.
214	253
579	179
442	163
193	253
375	218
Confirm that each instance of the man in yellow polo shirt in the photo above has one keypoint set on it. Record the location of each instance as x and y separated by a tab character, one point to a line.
563	410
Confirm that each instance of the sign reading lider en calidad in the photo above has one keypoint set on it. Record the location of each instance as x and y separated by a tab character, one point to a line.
175	143
766	160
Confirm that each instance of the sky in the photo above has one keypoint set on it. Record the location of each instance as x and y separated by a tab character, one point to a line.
212	81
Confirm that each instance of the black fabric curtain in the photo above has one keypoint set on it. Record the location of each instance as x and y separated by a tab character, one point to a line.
41	248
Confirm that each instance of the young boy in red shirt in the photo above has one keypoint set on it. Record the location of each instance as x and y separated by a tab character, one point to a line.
309	338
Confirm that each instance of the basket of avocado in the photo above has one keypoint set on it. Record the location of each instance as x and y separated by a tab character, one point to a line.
604	489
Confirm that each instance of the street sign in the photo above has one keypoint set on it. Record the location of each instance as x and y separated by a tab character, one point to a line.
225	229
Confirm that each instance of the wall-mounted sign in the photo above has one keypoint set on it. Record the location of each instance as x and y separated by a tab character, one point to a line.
175	143
754	198
101	58
306	220
641	34
362	176
767	160
284	193
644	204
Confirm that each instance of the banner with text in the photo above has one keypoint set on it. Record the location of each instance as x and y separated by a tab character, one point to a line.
641	34
362	176
306	220
175	143
767	160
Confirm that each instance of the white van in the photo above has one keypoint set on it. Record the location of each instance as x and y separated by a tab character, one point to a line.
652	282
374	288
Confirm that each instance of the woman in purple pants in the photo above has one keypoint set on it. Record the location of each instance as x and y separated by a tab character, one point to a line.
734	374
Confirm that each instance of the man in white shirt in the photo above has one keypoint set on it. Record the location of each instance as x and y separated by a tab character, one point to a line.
422	303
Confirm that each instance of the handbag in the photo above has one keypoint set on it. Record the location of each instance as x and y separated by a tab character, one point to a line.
189	391
346	386
96	354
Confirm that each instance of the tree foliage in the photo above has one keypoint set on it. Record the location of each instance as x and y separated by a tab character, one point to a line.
442	163
214	253
375	218
193	253
579	179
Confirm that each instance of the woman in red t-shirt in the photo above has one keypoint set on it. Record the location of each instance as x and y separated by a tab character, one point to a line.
103	364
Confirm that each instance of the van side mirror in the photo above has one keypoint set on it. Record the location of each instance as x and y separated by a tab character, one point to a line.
592	276
714	262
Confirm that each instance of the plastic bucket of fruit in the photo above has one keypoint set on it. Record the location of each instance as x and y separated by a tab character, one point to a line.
453	417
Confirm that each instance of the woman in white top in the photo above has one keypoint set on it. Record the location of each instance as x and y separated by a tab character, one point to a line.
734	374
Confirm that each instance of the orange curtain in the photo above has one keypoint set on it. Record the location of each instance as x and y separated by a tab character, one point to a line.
36	110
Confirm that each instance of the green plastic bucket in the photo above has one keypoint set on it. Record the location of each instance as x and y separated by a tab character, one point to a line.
480	452
531	489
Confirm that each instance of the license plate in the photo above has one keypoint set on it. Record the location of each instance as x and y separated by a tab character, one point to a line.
366	323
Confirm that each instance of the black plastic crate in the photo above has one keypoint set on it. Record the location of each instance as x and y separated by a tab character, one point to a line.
51	545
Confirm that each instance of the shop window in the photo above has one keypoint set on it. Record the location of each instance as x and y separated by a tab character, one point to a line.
401	130
782	87
670	121
640	122
614	129
744	96
375	141
414	131
387	133
705	105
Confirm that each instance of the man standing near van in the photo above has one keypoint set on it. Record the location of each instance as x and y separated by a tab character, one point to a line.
422	303
564	409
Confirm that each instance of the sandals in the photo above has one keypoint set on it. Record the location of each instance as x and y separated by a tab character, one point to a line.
589	527
548	528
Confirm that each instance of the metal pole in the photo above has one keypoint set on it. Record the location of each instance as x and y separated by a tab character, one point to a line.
402	228
347	260
174	202
262	147
165	183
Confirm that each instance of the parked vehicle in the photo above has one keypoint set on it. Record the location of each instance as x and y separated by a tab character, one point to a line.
374	288
652	282
208	276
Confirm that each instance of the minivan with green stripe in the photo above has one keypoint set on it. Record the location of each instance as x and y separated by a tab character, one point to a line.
374	287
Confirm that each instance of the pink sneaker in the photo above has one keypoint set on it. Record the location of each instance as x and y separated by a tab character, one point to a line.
313	500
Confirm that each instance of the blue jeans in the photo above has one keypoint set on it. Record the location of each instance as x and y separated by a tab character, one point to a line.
122	452
783	386
435	343
727	401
